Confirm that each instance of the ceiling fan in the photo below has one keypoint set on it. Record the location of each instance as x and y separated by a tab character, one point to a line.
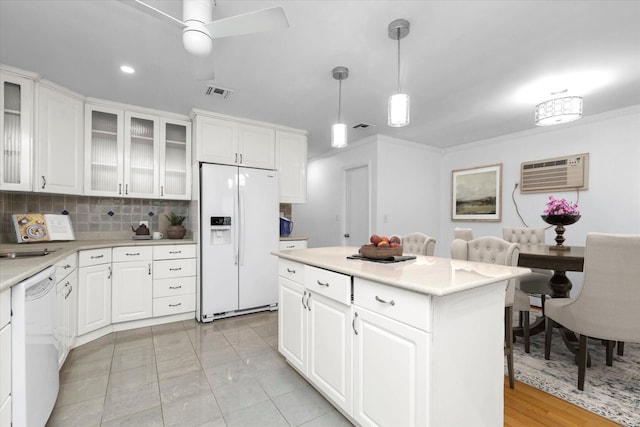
199	30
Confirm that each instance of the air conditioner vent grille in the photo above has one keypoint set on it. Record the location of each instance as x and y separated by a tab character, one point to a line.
562	173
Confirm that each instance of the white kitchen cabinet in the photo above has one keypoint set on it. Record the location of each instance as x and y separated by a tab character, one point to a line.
5	357
141	155
59	140
292	244
94	289
104	151
132	283
174	279
390	375
66	305
314	325
175	159
291	163
226	141
16	127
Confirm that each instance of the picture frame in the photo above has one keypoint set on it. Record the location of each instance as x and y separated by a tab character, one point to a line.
477	193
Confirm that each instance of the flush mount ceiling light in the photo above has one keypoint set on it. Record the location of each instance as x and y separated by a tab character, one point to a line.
398	114
560	110
127	69
339	130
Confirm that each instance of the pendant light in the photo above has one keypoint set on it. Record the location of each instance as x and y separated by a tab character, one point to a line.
339	130
398	114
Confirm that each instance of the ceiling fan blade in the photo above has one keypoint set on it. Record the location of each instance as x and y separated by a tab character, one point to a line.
166	15
253	22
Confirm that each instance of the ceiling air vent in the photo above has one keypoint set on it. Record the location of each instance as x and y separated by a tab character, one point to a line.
218	91
560	173
363	125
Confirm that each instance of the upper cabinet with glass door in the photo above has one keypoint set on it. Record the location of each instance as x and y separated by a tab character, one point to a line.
141	155
16	124
175	158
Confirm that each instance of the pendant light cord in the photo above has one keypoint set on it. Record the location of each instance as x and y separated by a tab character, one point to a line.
398	59
339	100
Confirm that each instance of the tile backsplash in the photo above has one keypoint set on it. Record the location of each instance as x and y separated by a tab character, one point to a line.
92	217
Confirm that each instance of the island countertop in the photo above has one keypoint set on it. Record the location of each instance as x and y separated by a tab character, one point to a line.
425	274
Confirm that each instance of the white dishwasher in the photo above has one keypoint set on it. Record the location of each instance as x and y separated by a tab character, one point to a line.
34	349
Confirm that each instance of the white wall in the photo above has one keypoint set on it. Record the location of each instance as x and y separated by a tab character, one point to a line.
404	187
412	183
612	202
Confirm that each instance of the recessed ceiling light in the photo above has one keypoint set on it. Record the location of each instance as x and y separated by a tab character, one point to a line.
127	69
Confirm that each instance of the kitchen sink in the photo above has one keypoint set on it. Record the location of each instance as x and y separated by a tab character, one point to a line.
24	254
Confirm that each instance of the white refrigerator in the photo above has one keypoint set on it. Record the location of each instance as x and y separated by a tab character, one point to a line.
239	228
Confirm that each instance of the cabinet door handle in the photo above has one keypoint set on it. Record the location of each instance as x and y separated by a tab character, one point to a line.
309	305
175	269
97	256
119	188
44	182
136	254
236	160
175	305
353	323
303	304
291	271
149	269
240	158
161	190
66	295
380	300
126	189
109	276
322	284
175	287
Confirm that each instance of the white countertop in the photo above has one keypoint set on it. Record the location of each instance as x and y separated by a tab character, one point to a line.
13	271
426	275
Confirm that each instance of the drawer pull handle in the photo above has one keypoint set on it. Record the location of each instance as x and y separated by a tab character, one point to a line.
97	256
175	287
303	304
322	284
392	302
175	252
291	271
353	323
291	246
175	269
136	254
175	305
66	266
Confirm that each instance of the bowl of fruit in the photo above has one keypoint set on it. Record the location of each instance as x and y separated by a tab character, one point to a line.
381	247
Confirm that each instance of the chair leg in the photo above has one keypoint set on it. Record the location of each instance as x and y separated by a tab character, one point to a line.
609	351
508	339
620	348
525	330
547	338
582	361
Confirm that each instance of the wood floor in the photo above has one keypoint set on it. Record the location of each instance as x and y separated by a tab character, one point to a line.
528	406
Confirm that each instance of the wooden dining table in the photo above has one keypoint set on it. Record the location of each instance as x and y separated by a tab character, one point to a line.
560	261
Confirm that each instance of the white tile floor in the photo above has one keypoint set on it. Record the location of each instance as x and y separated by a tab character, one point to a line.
224	373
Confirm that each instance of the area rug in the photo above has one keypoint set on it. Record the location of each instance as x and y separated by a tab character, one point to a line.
610	391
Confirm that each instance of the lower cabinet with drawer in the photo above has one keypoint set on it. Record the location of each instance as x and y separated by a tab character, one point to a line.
132	283
174	279
315	328
391	355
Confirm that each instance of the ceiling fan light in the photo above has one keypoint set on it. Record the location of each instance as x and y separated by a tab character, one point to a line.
398	110
558	111
196	42
338	135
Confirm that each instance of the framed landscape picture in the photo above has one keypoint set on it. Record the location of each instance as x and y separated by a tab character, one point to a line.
477	194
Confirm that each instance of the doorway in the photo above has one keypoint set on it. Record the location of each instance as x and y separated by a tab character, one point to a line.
357	206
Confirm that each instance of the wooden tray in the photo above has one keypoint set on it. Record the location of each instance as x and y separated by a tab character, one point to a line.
379	253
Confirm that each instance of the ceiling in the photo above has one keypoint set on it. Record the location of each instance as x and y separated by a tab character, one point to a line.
473	69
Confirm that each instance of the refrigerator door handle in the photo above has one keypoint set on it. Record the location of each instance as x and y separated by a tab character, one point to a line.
241	225
236	215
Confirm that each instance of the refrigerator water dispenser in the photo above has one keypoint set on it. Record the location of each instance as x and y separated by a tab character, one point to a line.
220	230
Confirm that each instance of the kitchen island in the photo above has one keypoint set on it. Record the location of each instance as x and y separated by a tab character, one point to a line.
412	343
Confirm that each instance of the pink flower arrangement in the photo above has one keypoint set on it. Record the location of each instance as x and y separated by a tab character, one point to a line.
561	207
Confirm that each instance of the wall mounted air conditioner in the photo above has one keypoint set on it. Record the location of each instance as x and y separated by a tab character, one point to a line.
560	173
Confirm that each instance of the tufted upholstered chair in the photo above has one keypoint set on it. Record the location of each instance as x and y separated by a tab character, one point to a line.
537	283
493	250
463	233
418	244
606	307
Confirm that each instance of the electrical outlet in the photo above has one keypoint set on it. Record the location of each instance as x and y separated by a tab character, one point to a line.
146	223
385	218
